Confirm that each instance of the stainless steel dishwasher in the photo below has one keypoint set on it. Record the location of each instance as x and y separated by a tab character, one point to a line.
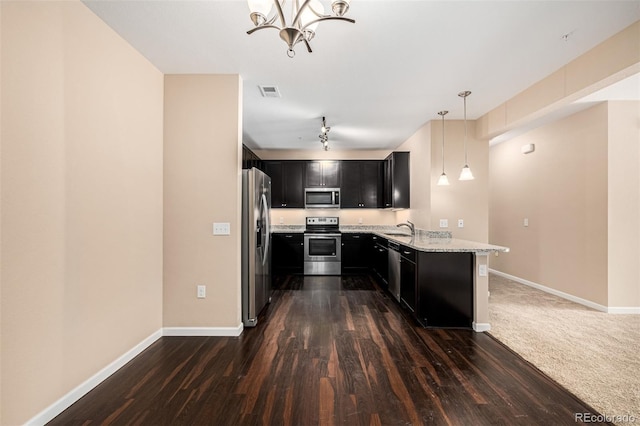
394	269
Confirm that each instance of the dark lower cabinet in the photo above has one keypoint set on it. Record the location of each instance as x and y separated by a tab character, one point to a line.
379	259
408	284
287	253
445	289
355	252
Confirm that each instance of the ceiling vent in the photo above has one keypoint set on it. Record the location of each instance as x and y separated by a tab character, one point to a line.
269	91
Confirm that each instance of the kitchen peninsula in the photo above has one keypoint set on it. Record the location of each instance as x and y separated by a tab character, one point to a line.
441	280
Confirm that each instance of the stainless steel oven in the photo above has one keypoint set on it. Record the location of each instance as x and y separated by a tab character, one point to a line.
322	246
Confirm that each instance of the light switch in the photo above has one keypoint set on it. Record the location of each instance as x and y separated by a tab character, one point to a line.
222	228
202	292
444	223
526	222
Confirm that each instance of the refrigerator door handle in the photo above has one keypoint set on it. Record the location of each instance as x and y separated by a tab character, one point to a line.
264	208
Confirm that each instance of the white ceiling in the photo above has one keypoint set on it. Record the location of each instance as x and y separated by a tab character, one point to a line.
377	81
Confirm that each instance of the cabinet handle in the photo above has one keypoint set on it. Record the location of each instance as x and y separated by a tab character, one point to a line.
407	252
356	236
288	236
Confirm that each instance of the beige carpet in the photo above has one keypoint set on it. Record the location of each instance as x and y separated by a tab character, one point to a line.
593	354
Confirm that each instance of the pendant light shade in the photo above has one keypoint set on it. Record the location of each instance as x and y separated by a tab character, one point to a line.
465	173
443	177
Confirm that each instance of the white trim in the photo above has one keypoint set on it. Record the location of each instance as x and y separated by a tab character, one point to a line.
481	326
572	298
203	331
81	390
627	310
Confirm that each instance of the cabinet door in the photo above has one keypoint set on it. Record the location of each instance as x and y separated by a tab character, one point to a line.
288	253
313	174
350	185
354	251
293	179
331	174
322	174
274	170
371	184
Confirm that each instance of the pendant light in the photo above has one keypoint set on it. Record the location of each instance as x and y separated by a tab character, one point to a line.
465	174
443	177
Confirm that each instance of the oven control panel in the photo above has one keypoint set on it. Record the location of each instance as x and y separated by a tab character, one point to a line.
331	221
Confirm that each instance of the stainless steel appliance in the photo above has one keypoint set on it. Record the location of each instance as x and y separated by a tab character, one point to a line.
322	246
322	198
394	269
256	253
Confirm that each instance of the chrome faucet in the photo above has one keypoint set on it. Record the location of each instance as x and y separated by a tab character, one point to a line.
410	225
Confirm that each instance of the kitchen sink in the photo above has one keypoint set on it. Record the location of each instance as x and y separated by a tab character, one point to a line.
397	234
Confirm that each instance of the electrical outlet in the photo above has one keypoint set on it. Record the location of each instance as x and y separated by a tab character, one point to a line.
444	223
202	291
221	228
360	220
526	222
460	223
281	220
482	270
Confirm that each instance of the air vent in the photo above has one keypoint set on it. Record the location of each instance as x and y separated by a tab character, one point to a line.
269	91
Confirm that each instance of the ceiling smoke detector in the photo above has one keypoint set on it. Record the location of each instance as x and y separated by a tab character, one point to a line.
269	91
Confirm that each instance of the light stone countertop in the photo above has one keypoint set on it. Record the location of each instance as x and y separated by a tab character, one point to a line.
428	241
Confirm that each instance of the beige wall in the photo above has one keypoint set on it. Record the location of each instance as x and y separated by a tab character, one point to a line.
420	162
561	188
202	185
466	200
81	201
612	60
624	203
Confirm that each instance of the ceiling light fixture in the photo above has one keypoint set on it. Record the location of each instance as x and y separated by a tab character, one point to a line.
443	177
465	174
324	137
305	15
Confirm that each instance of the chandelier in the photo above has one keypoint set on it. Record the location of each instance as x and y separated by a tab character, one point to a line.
324	136
305	17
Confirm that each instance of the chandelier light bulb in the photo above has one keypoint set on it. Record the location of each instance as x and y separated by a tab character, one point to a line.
304	15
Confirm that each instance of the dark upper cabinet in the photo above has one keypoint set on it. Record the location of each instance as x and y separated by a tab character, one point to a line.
322	174
250	159
396	181
287	178
361	184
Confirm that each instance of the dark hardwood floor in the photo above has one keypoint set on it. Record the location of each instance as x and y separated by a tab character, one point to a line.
328	350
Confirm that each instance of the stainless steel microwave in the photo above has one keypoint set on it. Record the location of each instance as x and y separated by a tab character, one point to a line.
322	198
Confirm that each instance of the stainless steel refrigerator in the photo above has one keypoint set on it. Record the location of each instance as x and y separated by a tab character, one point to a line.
256	251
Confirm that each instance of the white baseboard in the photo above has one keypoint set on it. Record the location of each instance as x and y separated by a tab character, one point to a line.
481	326
627	310
203	331
572	298
66	401
70	398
